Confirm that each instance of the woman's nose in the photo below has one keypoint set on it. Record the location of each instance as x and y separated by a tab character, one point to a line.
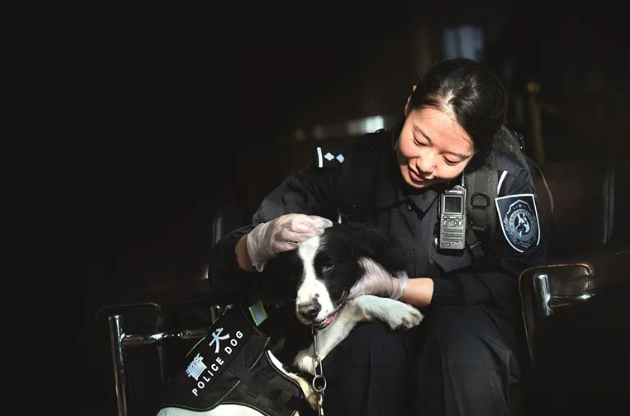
425	163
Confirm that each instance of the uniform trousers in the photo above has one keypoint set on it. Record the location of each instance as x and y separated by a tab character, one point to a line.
458	361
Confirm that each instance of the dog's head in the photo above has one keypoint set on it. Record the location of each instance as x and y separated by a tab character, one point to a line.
319	274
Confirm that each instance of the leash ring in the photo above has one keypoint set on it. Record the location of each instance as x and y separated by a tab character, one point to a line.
316	380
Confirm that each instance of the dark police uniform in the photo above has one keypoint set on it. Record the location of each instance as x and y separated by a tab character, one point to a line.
464	355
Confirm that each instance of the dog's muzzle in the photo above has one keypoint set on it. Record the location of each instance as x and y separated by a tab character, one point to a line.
323	323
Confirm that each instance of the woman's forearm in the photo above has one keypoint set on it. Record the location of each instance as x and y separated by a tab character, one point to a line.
419	292
242	256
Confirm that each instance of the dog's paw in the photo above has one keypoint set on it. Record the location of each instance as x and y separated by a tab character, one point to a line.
309	393
396	314
304	361
402	316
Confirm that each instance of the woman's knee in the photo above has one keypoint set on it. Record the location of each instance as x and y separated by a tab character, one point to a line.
368	372
369	344
465	336
458	321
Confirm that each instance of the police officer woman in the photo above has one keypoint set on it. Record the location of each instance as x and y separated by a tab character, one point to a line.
464	356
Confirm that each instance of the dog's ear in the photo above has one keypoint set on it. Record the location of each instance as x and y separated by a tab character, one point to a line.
382	247
274	285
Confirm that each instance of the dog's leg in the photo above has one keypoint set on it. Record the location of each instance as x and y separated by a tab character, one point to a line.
330	337
306	387
396	314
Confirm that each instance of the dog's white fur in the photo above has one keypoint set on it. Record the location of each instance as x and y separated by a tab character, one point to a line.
311	287
396	314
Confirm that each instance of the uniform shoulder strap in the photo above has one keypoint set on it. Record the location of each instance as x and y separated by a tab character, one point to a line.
355	187
481	186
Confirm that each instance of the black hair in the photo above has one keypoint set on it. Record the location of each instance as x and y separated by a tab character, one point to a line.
471	92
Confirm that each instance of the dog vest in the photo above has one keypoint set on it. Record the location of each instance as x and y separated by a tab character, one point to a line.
231	365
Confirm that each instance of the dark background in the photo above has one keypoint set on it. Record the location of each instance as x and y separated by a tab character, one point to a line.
193	108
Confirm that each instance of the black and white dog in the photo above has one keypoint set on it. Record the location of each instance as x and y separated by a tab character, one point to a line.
315	281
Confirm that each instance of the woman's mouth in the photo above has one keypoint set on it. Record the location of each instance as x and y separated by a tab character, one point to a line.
416	177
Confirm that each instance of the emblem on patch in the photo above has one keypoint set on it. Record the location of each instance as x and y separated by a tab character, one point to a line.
519	220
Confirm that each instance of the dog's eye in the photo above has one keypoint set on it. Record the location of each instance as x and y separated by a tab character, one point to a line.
327	267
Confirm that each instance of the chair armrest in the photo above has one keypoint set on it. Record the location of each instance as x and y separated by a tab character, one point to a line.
123	338
548	287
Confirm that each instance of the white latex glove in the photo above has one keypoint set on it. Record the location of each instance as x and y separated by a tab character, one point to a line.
284	233
378	281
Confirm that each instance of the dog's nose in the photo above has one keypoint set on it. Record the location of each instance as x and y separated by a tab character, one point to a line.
309	310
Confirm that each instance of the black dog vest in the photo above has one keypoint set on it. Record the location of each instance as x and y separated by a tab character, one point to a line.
231	365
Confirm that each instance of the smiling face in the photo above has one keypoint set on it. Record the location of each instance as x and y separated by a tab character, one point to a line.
432	148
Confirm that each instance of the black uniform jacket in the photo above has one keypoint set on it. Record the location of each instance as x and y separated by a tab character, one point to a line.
410	215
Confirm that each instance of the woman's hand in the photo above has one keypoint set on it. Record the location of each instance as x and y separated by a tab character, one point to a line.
378	281
284	233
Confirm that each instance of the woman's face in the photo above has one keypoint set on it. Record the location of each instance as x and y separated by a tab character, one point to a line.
432	148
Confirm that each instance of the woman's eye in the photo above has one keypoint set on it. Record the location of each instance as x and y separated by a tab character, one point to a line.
451	162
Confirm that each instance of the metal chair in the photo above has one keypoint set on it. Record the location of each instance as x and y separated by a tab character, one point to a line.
122	340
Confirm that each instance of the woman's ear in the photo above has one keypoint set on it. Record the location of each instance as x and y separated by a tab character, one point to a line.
408	105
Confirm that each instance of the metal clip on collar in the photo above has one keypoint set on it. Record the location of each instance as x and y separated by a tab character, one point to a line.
319	381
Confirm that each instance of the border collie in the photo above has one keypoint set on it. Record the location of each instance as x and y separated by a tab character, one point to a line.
314	281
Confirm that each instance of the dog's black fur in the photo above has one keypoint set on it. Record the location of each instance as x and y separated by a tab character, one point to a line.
337	265
310	285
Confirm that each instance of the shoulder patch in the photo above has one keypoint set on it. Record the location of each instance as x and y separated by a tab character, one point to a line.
324	157
518	216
